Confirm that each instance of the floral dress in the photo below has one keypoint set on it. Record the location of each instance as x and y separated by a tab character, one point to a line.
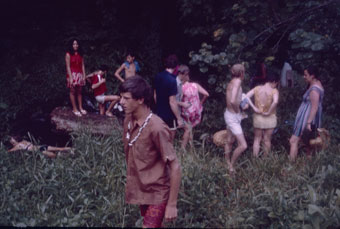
192	114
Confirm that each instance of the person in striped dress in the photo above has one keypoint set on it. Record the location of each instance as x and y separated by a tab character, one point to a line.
308	117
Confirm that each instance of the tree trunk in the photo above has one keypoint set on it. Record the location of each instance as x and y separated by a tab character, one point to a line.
65	120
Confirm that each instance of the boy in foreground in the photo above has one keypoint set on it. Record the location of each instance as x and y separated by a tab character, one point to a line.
153	170
233	117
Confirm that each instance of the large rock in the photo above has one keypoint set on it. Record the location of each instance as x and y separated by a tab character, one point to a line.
65	120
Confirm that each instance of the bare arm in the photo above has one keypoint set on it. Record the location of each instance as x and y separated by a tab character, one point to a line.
174	108
154	96
119	70
175	181
83	68
314	98
90	75
202	91
94	86
250	102
68	69
273	105
184	104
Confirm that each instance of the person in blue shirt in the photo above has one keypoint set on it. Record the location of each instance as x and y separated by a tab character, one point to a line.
165	90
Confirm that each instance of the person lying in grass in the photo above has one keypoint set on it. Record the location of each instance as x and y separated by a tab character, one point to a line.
49	151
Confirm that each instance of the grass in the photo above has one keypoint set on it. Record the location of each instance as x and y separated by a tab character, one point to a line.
87	189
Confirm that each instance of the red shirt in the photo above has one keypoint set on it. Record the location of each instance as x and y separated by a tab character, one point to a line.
101	89
76	63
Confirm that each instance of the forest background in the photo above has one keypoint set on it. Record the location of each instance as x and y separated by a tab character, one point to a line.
210	36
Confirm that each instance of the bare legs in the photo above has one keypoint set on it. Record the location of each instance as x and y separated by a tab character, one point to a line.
187	136
75	93
264	135
51	149
257	141
294	142
73	99
114	99
241	146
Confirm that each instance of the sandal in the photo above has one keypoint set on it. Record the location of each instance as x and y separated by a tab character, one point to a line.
83	112
77	113
109	114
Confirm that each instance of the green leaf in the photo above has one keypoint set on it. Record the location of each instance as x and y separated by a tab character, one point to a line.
312	209
3	105
317	46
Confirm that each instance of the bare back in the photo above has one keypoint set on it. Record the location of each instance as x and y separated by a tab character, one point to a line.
264	96
234	95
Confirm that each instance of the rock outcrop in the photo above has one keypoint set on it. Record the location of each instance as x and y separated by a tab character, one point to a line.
65	120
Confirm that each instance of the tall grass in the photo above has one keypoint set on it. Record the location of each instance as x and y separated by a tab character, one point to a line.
87	189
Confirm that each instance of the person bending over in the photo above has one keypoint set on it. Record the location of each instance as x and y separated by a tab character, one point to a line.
99	88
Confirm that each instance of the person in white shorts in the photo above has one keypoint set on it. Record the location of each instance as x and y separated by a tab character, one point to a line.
98	82
233	117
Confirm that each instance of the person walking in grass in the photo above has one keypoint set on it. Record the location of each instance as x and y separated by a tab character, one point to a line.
165	91
153	171
266	98
233	117
191	113
308	118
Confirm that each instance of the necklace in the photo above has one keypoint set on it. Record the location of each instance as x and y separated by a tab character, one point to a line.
139	131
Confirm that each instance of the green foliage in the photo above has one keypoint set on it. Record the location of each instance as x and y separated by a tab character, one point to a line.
87	189
268	31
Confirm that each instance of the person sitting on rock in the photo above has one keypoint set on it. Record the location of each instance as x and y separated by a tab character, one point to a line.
49	151
99	88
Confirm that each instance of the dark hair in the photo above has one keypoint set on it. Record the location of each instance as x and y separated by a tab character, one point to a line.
138	88
70	47
104	67
272	78
171	61
131	53
312	70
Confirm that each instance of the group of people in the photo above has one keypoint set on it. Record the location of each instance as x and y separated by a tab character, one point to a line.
76	79
153	173
266	97
153	170
177	99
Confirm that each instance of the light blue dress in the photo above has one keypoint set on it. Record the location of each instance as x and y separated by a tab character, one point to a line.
304	111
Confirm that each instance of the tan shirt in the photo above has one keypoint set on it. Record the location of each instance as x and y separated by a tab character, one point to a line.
148	178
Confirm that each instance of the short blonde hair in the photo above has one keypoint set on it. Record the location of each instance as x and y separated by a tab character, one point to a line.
237	70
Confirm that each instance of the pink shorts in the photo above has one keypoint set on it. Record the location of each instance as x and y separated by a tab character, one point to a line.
153	215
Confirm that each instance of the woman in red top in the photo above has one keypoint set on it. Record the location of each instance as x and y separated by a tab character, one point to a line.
75	76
